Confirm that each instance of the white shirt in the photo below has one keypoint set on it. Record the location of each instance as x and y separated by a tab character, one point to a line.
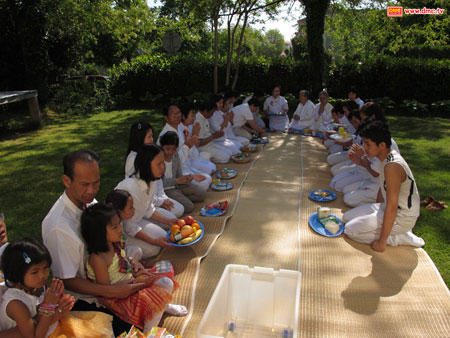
326	114
273	105
142	202
129	164
359	102
215	122
347	123
61	231
205	132
242	114
182	150
160	196
305	112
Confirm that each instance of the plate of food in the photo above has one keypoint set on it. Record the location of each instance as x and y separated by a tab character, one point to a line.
226	173
328	227
221	185
241	158
260	140
214	209
186	232
322	195
249	148
339	138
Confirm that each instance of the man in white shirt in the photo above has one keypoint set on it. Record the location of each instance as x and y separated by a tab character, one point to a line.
353	96
259	95
172	115
208	149
62	237
303	117
243	121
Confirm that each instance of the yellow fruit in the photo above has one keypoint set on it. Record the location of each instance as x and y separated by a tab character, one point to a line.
196	226
198	233
185	240
186	231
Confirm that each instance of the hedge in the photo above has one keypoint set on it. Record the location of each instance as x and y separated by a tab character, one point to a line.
423	80
146	77
150	76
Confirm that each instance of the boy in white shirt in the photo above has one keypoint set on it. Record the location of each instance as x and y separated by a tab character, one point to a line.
353	96
391	220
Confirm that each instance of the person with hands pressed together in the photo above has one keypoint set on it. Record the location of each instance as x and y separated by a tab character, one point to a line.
389	221
61	234
177	185
140	230
208	149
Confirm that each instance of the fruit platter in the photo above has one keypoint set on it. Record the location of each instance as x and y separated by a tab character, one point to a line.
226	173
187	232
241	158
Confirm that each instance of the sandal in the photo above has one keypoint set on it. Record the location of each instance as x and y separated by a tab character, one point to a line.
426	201
436	206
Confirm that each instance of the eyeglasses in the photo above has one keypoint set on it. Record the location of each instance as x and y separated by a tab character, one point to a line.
2	217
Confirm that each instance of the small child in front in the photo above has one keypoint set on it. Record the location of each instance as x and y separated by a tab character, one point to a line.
101	228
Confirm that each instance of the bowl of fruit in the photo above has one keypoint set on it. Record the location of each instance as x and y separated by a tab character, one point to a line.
187	232
241	158
249	148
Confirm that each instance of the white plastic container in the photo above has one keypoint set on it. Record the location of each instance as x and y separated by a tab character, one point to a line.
253	302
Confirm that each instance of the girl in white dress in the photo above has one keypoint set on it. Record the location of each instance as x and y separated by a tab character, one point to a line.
27	303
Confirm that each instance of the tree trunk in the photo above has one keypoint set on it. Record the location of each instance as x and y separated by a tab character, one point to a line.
216	51
315	22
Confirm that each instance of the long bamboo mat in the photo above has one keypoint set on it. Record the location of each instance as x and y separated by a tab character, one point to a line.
347	289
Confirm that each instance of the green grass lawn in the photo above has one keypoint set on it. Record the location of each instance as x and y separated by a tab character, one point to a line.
31	168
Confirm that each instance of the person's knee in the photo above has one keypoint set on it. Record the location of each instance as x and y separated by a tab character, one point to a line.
166	283
350	200
188	206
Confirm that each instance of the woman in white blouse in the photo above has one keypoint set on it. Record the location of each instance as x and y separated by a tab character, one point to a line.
140	230
276	107
322	111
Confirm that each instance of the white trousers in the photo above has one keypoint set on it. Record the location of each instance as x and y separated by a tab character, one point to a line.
232	146
238	131
360	193
201	165
336	148
176	211
342	166
215	153
335	158
300	125
147	250
345	178
364	224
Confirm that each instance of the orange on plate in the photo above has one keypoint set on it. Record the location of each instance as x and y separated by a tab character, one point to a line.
174	229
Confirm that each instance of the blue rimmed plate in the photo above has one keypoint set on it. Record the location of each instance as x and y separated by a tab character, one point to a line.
187	244
315	224
214	212
317	195
226	174
220	187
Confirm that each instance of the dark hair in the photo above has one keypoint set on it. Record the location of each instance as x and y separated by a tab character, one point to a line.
350	105
254	101
374	110
275	86
118	198
215	98
338	108
354	113
186	108
73	157
231	93
20	255
208	106
94	220
377	131
353	90
169	139
143	161
138	131
165	110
